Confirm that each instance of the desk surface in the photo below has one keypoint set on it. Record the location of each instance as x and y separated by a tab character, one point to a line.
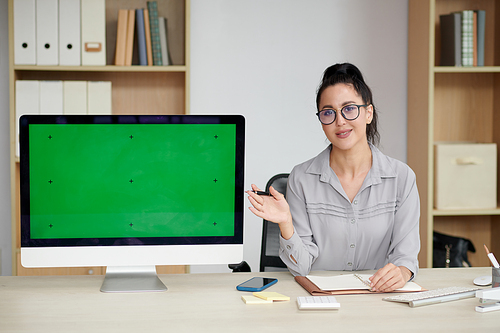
210	302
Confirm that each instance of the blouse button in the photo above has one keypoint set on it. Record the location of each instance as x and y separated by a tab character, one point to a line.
355	202
349	264
288	247
352	221
353	246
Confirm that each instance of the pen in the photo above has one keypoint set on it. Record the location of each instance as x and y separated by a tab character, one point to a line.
493	260
261	193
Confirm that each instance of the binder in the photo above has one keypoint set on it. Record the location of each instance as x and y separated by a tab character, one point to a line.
47	32
141	37
121	37
130	37
99	97
74	97
26	102
51	97
69	33
93	25
24	32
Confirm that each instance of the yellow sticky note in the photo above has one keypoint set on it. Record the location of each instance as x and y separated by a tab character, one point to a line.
271	296
254	300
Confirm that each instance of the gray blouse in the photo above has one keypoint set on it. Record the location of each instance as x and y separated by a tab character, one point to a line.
380	226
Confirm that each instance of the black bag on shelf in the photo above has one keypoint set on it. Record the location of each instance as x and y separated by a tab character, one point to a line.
450	251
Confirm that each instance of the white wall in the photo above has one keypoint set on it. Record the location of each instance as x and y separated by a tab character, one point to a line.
264	59
5	222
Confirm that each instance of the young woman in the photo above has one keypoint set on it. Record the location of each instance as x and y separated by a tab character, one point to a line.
351	207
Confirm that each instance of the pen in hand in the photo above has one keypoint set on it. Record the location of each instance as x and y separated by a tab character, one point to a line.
492	258
261	193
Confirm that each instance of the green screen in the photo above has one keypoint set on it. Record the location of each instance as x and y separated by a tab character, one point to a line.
165	180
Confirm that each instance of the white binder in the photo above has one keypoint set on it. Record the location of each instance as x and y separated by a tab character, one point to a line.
27	102
24	32
99	97
47	32
74	97
93	25
51	97
69	33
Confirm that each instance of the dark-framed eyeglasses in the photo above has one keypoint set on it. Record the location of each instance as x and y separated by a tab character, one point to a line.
349	112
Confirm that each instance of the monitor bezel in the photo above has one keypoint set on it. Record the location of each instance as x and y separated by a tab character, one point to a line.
27	120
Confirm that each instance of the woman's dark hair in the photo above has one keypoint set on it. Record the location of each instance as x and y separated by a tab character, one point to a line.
349	74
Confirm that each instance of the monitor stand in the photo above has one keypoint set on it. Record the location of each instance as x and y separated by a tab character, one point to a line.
136	279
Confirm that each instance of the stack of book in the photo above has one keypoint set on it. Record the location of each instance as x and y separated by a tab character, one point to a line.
462	38
142	31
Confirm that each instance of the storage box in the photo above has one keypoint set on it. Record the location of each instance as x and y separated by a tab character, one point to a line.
465	175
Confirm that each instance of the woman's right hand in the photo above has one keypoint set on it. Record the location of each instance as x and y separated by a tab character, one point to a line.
273	208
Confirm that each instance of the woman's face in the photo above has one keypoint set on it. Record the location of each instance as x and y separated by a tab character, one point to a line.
345	134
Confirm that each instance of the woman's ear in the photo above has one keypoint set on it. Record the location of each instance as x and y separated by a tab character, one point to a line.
369	114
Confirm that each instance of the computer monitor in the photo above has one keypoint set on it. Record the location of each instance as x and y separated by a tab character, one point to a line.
131	192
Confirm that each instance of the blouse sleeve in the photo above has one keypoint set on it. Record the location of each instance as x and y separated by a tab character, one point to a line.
405	243
298	252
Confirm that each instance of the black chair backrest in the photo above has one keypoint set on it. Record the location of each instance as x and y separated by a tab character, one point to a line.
269	254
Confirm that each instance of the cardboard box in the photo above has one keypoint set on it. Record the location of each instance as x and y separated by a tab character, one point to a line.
465	175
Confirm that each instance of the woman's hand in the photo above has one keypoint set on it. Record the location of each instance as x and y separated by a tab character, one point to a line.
389	278
273	208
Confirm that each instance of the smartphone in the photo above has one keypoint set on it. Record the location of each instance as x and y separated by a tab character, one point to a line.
256	284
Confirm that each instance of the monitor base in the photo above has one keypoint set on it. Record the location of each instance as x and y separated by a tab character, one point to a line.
135	279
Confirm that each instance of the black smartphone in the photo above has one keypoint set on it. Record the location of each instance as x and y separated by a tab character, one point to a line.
256	284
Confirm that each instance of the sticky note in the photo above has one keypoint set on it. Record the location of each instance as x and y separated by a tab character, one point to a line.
271	296
254	300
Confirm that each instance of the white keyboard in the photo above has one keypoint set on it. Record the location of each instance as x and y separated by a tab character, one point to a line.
433	296
317	303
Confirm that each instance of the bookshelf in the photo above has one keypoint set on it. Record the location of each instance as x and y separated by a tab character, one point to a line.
135	89
451	104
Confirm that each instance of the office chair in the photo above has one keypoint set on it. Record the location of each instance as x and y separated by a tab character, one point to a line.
269	253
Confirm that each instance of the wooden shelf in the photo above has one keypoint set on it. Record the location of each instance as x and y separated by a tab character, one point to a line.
443	105
109	68
135	90
466	212
478	69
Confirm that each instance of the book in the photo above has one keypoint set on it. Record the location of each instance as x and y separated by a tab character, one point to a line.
141	37
155	32
147	32
467	38
474	38
451	39
481	21
165	53
121	37
129	50
344	284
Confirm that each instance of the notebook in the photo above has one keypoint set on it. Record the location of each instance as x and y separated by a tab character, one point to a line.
345	284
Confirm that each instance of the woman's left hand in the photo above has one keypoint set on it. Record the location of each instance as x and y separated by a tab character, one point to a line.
389	278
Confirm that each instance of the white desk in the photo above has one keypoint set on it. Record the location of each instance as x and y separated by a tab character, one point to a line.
210	302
